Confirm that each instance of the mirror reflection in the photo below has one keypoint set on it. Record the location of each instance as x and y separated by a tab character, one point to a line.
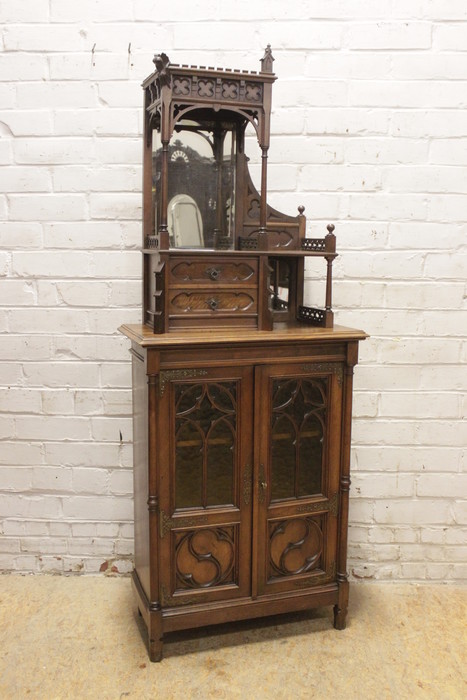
201	185
280	284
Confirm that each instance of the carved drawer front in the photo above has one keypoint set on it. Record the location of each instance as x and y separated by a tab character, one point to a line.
210	272
212	302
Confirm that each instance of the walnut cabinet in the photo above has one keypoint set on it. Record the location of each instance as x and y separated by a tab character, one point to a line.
242	385
241	459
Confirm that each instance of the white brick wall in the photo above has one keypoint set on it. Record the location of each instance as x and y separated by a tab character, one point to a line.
369	131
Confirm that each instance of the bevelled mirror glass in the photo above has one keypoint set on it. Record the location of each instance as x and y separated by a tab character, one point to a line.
201	184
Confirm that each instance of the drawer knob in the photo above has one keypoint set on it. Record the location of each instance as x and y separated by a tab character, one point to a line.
213	273
213	304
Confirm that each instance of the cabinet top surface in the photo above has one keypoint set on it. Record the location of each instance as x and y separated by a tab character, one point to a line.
144	336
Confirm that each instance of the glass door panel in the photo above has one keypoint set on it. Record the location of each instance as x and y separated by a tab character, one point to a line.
205	444
300	407
205	522
298	432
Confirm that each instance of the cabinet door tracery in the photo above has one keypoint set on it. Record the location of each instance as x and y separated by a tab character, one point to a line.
242	478
205	520
297	434
300	476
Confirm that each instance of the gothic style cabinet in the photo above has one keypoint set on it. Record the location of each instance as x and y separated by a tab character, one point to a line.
241	394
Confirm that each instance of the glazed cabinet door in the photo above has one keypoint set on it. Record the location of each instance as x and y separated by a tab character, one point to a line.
205	483
299	413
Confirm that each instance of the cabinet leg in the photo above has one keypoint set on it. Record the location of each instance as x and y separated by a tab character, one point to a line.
339	617
155	650
340	610
155	635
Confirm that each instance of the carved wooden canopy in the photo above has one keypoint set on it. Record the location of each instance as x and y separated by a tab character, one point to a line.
174	91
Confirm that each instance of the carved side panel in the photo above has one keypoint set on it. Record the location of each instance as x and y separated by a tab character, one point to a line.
295	547
205	558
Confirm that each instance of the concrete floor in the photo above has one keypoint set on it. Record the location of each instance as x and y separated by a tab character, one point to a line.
80	637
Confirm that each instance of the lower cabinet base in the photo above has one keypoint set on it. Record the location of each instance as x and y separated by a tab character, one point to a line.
241	475
159	620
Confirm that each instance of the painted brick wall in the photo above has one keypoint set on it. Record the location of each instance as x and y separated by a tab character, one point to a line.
369	131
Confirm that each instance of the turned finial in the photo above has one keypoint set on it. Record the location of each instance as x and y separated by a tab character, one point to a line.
301	209
267	60
330	228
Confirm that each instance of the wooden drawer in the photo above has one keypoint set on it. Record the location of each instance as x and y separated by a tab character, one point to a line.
209	271
218	302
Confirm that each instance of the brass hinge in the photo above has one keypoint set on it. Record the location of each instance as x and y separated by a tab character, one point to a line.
168	374
330	504
168	600
325	577
166	523
334	367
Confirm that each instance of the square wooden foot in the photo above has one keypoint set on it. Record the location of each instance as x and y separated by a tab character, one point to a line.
155	650
340	618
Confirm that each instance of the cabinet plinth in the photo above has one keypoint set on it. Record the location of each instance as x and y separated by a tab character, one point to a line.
241	470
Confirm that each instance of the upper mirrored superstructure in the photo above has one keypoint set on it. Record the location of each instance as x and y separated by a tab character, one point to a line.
215	252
